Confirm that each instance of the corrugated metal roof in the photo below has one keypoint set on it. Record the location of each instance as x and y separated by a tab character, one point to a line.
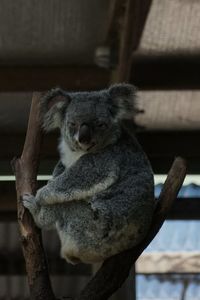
57	32
168	109
178	235
51	32
174	237
165	287
172	26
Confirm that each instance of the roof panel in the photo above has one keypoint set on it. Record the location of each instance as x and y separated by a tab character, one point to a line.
168	287
172	26
51	32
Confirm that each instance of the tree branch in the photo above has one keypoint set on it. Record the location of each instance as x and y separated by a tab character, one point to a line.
115	270
25	169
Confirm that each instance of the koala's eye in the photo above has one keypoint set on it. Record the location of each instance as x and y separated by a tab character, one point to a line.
101	125
71	124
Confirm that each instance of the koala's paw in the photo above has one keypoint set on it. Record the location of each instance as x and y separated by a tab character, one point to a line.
29	202
41	196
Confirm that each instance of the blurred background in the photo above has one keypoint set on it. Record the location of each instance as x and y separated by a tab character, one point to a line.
88	45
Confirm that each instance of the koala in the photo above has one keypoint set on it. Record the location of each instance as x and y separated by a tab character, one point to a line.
101	195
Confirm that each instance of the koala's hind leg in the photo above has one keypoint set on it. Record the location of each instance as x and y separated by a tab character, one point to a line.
69	248
73	254
82	236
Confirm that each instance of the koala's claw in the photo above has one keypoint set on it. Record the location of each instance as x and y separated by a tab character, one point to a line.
29	202
28	197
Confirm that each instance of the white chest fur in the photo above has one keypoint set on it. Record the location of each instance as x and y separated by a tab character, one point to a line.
68	157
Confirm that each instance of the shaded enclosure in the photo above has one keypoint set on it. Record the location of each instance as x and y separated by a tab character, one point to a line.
88	45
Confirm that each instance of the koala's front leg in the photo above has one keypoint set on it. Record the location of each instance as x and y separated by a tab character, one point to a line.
30	203
44	217
48	194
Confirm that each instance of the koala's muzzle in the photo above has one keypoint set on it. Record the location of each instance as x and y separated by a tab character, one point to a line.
84	135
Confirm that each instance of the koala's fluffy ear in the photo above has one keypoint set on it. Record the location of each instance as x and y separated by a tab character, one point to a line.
123	97
53	107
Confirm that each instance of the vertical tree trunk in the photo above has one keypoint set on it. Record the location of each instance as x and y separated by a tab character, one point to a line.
25	169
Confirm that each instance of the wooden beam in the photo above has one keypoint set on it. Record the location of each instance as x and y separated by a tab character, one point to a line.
134	21
168	144
43	78
125	25
161	164
166	72
117	10
147	73
185	209
161	148
155	143
107	54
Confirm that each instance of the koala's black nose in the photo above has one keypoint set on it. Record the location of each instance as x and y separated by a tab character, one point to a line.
84	135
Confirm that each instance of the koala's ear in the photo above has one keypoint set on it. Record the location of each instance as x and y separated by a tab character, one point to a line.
53	107
123	97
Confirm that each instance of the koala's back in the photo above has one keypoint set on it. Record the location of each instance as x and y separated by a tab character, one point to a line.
113	220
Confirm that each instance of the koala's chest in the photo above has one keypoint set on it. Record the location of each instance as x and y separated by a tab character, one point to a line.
68	157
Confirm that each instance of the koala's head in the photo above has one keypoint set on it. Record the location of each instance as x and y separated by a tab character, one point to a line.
89	121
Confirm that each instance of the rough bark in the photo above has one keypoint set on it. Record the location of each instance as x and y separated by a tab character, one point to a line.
115	270
25	169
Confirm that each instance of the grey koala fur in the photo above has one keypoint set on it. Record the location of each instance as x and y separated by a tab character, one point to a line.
101	196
